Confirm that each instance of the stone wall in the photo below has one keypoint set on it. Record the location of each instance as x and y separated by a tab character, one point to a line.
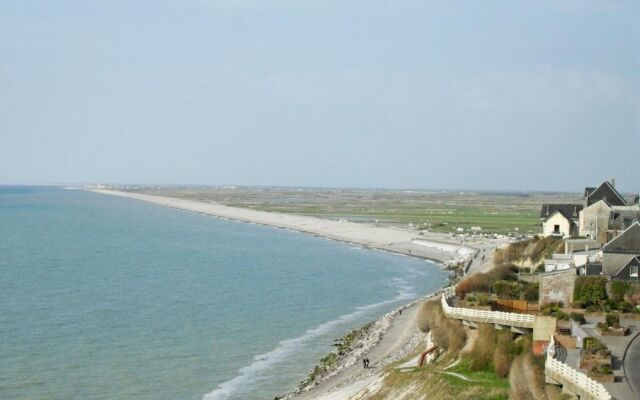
557	287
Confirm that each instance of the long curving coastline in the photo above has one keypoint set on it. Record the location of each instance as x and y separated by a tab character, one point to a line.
396	240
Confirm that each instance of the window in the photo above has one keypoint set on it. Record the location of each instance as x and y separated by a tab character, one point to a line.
556	229
633	273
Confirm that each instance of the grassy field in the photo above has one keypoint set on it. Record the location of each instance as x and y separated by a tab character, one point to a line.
438	211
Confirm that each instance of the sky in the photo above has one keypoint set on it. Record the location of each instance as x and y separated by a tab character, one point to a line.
482	95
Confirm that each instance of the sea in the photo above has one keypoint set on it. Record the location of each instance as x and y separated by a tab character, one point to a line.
104	297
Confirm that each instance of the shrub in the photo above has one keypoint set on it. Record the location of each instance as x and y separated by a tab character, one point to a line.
592	345
450	335
625	307
531	292
501	362
612	320
602	370
578	317
551	309
506	349
447	333
481	356
481	282
507	290
619	289
483	300
590	290
429	314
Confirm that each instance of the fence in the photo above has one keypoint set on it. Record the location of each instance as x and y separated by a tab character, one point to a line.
572	379
560	372
492	317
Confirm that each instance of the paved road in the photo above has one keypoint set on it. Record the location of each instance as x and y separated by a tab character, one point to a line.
632	366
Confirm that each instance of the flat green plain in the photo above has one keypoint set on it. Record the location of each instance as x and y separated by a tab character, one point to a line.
436	211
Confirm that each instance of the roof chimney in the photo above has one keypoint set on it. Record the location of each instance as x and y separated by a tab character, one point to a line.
613	182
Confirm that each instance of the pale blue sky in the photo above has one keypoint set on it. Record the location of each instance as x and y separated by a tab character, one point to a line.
470	95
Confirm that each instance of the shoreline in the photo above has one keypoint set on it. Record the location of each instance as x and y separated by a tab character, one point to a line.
394	240
348	377
378	342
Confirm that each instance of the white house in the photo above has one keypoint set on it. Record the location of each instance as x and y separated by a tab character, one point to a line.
560	219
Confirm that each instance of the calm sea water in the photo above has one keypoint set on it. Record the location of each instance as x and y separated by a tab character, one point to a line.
110	298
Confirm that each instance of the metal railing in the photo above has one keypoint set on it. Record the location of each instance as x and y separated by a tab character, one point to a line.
495	317
575	380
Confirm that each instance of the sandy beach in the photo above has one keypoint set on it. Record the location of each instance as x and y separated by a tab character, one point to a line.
390	338
403	241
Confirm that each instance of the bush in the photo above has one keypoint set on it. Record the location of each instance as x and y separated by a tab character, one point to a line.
483	300
450	335
551	309
625	307
446	333
612	320
531	292
602	370
481	282
481	356
507	290
592	345
501	362
578	317
590	290
430	314
619	289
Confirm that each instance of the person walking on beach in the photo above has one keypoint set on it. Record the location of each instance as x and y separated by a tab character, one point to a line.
364	363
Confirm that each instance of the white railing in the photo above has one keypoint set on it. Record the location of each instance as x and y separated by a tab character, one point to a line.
496	317
567	376
556	370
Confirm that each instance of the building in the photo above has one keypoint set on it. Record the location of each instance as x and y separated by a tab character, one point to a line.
606	192
594	221
620	255
560	219
622	217
557	286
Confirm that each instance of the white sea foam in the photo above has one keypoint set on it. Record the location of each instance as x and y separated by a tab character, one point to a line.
288	347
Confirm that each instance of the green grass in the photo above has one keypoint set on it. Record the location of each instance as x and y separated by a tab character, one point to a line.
437	211
485	378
